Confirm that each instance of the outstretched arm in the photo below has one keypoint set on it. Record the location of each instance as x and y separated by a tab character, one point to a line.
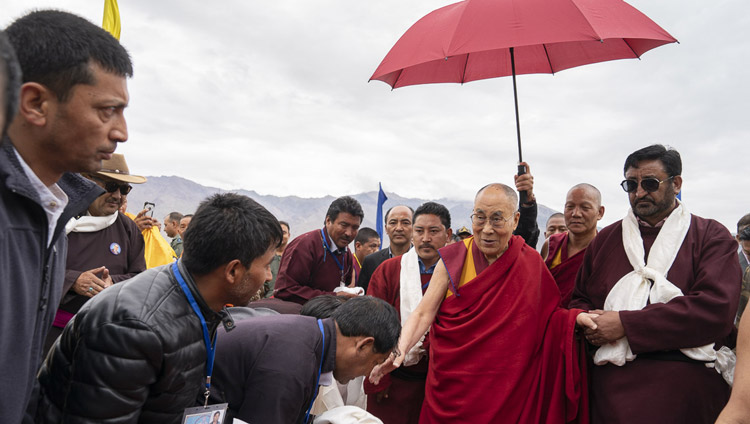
418	323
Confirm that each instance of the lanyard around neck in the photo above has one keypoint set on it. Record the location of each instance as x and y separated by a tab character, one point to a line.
320	369
210	345
326	249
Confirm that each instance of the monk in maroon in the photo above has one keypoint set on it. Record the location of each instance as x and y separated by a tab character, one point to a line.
501	348
563	252
654	356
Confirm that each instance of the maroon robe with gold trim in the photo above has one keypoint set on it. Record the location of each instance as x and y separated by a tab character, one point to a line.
406	384
661	385
564	273
502	350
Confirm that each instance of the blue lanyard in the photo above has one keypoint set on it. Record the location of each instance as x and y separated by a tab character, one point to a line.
320	369
326	249
210	346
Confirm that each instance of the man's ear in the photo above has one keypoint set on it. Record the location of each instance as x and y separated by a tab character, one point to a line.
677	181
450	233
233	271
34	103
365	344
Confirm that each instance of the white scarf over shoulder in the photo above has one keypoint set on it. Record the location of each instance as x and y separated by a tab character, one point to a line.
90	224
410	294
647	282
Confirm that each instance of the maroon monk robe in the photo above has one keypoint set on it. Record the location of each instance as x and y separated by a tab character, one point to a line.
308	270
655	387
406	384
564	273
502	350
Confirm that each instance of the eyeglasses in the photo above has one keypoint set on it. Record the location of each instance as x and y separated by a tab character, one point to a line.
648	184
496	221
111	186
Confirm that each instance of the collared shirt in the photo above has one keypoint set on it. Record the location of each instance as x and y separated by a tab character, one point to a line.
422	269
332	246
53	198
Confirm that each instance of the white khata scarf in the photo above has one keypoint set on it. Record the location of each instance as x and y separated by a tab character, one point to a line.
634	289
89	224
410	293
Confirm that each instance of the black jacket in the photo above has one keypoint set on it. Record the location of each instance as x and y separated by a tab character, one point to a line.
31	275
135	353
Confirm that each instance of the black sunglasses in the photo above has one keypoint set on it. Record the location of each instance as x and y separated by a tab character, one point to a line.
111	187
648	184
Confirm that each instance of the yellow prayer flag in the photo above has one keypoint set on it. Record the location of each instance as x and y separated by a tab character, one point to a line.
111	21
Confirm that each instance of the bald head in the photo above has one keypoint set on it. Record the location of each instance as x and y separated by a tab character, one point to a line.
591	191
555	225
583	210
494	219
499	188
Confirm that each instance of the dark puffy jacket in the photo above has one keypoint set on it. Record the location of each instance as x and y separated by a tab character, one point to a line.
31	276
133	354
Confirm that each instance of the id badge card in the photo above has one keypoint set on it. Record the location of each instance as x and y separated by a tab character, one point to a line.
211	414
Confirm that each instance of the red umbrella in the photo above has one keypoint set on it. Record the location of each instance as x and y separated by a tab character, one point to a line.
477	39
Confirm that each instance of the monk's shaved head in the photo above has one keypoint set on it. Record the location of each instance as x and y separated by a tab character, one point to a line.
592	191
583	210
509	192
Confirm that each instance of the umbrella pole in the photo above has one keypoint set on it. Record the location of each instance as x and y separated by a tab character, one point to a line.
521	169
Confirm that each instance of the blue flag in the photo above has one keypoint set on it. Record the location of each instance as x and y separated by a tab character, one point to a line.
379	214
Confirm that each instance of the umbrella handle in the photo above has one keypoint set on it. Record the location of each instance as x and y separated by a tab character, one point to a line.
523	195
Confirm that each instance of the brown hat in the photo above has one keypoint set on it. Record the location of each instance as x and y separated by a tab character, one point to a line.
117	169
463	230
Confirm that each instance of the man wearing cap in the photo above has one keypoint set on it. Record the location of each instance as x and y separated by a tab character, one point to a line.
463	233
104	245
69	117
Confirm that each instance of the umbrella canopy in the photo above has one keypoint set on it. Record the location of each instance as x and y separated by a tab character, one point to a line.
472	40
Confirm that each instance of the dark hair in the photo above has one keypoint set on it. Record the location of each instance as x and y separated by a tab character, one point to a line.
345	204
190	215
175	217
322	306
744	235
365	234
368	316
389	212
432	208
10	80
668	156
743	222
288	228
225	227
56	49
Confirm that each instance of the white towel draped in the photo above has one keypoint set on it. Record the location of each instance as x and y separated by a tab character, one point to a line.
648	282
410	294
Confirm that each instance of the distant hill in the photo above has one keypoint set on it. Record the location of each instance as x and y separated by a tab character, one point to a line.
303	214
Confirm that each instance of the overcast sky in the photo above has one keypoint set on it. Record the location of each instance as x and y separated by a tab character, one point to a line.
273	97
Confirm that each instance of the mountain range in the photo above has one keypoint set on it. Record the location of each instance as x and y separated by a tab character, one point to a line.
171	193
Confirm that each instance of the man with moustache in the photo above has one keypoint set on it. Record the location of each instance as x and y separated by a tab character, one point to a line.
401	282
104	245
668	283
318	262
563	252
68	118
140	350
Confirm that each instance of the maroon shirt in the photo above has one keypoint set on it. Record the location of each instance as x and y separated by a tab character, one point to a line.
308	269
